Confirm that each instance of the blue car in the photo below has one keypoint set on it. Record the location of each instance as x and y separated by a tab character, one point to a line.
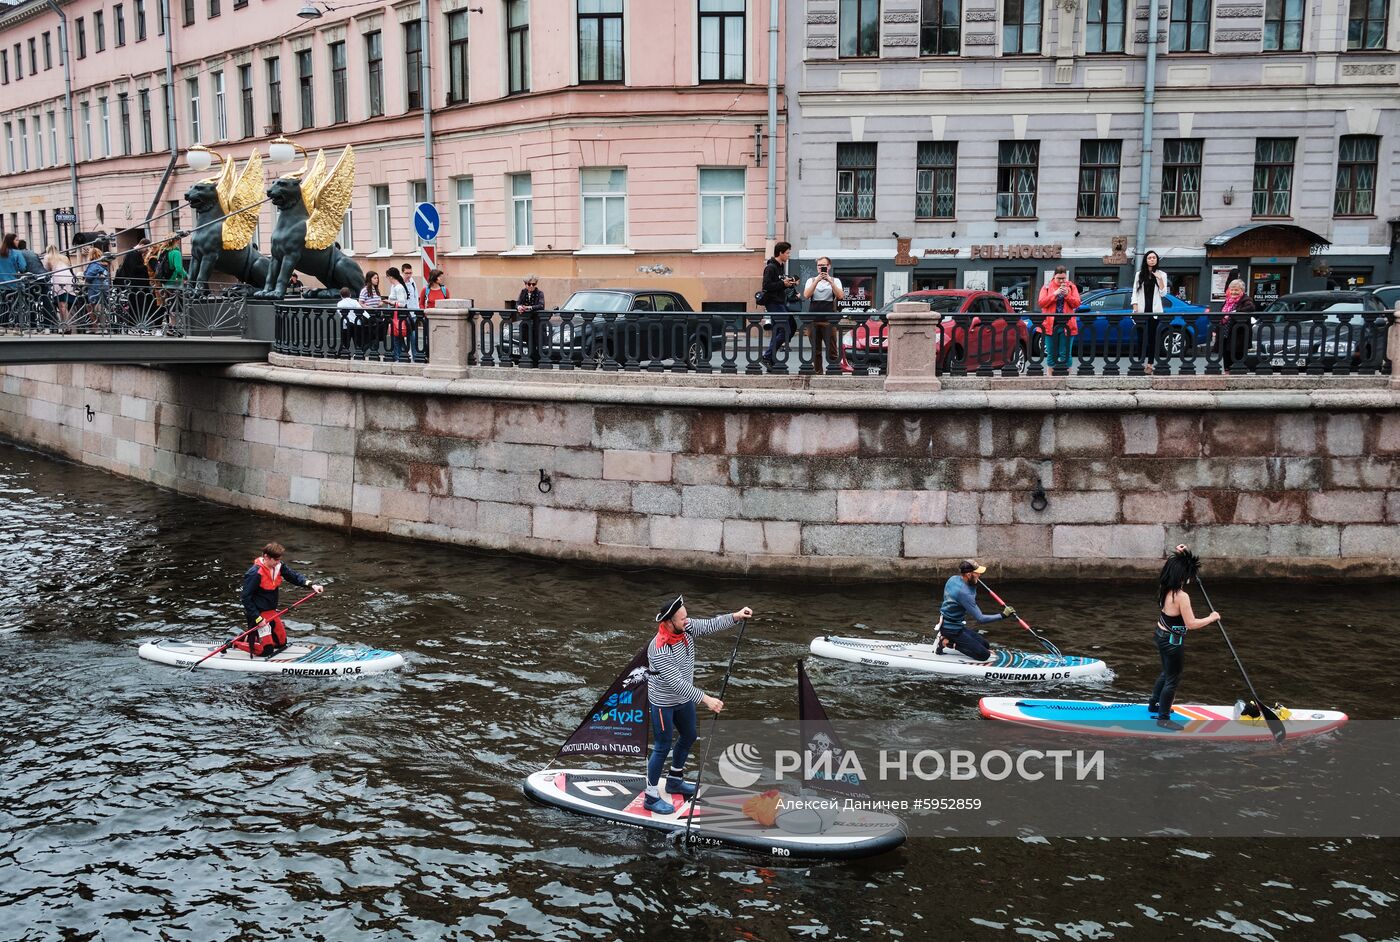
1105	323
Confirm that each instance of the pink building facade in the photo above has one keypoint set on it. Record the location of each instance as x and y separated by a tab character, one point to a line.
589	142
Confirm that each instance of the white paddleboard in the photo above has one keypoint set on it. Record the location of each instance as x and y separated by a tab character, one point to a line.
297	660
1111	718
1003	664
812	827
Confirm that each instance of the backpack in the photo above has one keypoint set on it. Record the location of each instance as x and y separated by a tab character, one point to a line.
164	269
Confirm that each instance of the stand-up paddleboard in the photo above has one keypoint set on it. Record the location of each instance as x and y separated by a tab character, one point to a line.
1003	665
296	660
1106	718
775	824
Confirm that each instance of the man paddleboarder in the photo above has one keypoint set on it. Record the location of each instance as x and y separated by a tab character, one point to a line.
673	696
259	596
960	601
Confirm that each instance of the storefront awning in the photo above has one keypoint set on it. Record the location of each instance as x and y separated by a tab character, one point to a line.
1264	238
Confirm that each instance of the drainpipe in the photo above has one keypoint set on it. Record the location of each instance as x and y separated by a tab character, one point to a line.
426	81
1149	98
772	233
163	10
68	107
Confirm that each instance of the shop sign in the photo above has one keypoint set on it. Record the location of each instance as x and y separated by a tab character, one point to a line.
1017	251
928	252
860	292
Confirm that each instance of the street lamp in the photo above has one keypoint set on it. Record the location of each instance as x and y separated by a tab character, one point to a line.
282	151
199	157
309	12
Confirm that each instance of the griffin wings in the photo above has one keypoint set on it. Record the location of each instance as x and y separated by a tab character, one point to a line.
238	195
326	197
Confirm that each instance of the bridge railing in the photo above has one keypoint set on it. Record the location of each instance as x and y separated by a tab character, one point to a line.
32	306
316	330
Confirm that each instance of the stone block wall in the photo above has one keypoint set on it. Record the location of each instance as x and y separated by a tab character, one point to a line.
859	491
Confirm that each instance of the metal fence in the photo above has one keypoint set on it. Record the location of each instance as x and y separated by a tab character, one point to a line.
31	306
316	330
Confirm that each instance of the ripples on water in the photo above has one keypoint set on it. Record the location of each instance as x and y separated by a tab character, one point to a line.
142	802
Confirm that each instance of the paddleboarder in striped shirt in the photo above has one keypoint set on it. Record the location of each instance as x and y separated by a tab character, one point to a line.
674	696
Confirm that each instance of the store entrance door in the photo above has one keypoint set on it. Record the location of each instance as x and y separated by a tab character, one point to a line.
1268	283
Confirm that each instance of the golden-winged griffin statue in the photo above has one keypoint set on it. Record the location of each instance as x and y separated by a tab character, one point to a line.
311	206
227	248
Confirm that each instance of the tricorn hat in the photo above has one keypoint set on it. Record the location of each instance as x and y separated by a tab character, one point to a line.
669	610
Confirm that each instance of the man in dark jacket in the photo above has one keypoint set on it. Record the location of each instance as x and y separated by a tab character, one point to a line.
775	287
259	596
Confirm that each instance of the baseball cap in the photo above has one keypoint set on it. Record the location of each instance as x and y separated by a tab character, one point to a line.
968	565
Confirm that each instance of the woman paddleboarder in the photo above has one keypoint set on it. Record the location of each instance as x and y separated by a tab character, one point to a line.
673	696
259	596
1174	619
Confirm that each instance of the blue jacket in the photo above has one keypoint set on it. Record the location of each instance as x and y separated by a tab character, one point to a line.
959	601
12	266
256	599
33	263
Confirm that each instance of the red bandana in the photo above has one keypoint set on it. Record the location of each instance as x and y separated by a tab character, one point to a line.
666	635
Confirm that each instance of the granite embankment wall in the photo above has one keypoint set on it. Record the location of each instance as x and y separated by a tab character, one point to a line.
846	481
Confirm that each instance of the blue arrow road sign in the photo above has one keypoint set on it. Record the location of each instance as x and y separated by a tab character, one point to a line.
426	221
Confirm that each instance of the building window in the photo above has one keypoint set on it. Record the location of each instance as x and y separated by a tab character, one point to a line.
1190	26
1098	178
860	28
374	55
522	214
518	45
722	40
38	141
19	62
82	42
162	11
599	41
1020	28
138	13
339	100
413	63
347	231
86	111
124	122
1104	26
118	25
189	13
1356	175
104	116
192	96
23	150
383	230
274	94
10	147
245	98
148	140
33	56
213	8
1018	174
466	213
1273	175
855	181
99	33
936	180
1366	24
604	205
53	137
1283	25
4	67
457	84
48	51
940	28
722	206
220	107
305	91
1181	177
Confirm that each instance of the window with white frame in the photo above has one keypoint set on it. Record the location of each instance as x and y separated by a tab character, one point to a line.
466	212
599	41
721	206
383	230
38	142
721	40
86	110
10	146
522	229
604	205
347	231
104	116
192	96
220	108
53	135
23	145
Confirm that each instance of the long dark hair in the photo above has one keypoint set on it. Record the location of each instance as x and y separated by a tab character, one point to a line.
7	243
1145	273
395	274
1178	572
372	278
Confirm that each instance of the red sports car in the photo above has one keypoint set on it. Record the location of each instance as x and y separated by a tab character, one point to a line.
980	331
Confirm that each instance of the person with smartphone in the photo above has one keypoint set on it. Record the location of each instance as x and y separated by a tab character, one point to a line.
773	297
822	292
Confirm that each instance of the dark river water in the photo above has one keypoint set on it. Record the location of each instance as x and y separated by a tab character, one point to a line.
143	802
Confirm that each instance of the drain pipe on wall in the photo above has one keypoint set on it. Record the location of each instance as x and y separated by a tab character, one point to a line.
1149	98
68	119
772	232
163	11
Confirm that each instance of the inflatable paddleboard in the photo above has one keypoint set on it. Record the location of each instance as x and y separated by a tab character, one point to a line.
297	660
1003	665
1106	718
801	827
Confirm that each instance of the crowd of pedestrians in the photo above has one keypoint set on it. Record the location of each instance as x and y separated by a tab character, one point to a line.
379	326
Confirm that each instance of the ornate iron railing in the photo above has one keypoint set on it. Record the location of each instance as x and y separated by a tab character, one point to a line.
31	306
318	330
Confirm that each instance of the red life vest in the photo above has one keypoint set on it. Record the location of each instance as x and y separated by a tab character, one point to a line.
269	577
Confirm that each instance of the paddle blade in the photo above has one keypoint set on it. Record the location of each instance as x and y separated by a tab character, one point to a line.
1275	724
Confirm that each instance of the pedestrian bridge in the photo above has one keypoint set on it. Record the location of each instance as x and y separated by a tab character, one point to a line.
132	325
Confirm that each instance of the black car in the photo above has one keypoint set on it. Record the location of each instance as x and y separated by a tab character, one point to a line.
624	324
1309	327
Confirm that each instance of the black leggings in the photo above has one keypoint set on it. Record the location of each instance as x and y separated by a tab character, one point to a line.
1173	662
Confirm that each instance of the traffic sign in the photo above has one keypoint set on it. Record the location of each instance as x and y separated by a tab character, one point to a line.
428	253
426	221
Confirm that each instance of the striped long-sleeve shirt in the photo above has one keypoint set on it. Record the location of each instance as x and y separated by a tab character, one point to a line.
671	667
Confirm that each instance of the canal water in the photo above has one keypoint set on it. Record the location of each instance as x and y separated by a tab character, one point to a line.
143	802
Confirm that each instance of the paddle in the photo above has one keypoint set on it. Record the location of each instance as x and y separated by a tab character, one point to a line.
705	758
230	643
1275	724
1049	646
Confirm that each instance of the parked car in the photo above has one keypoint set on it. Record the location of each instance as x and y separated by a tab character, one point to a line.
1388	294
1106	323
980	329
1344	324
661	326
